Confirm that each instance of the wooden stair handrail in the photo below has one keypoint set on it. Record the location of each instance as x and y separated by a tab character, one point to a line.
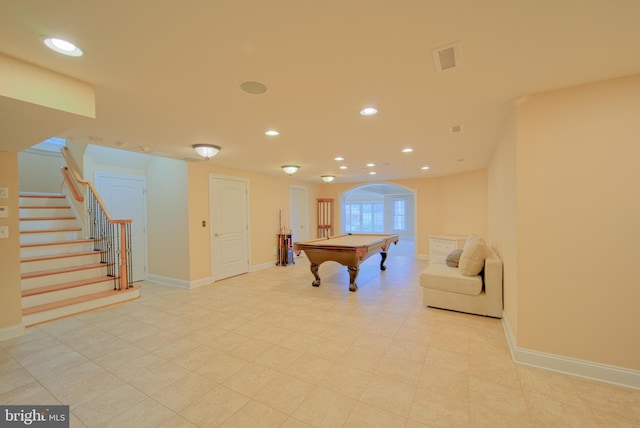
72	186
76	176
73	170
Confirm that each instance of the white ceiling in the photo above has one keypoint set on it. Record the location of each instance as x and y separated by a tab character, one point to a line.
167	74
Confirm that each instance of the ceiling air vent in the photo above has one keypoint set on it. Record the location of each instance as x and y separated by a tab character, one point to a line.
456	129
447	57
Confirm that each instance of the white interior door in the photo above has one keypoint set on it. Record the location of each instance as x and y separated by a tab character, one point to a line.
299	213
228	198
125	199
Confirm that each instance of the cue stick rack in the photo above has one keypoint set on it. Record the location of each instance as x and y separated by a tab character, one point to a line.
285	242
325	218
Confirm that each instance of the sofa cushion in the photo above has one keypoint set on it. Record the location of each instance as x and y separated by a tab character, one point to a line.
453	258
445	278
473	254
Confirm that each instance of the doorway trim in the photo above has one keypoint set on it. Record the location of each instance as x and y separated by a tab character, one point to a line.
416	234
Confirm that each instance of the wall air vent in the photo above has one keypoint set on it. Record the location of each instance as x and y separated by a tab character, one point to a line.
447	57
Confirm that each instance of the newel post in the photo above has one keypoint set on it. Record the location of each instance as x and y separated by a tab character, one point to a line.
124	249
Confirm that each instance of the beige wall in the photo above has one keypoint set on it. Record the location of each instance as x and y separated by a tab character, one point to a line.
443	204
27	82
502	217
10	290
168	236
578	213
42	174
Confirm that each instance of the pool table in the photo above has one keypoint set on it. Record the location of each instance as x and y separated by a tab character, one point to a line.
349	250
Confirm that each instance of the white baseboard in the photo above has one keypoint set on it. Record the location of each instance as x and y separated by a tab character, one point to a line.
180	283
262	266
12	332
567	365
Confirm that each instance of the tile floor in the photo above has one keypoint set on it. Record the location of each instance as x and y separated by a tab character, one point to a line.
266	349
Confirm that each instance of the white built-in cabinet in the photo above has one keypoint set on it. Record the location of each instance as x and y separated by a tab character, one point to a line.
441	245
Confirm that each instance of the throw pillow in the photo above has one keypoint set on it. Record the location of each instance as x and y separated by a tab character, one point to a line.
454	258
473	254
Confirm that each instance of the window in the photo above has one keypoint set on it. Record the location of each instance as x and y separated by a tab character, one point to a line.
50	147
399	215
361	217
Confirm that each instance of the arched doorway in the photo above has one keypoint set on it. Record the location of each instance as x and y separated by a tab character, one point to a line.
381	208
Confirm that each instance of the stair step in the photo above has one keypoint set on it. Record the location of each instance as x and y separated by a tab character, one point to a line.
54	235
59	292
47	277
44	207
53	224
49	272
57	261
66	285
56	247
27	213
41	195
58	256
27	200
68	229
46	218
50	311
44	244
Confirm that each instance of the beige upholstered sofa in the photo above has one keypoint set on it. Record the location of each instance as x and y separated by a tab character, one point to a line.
445	287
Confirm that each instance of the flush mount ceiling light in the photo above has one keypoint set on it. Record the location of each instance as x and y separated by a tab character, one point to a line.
425	168
339	158
328	178
206	150
290	169
343	167
272	133
368	111
407	150
62	46
371	165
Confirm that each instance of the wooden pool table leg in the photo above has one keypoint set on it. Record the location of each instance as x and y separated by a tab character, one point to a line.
383	254
314	271
353	273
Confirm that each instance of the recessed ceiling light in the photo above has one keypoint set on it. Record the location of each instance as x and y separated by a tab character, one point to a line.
372	173
343	167
425	168
272	133
371	165
62	46
407	150
339	158
368	111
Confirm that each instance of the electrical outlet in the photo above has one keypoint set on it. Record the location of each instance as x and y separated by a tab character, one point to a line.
4	231
4	193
